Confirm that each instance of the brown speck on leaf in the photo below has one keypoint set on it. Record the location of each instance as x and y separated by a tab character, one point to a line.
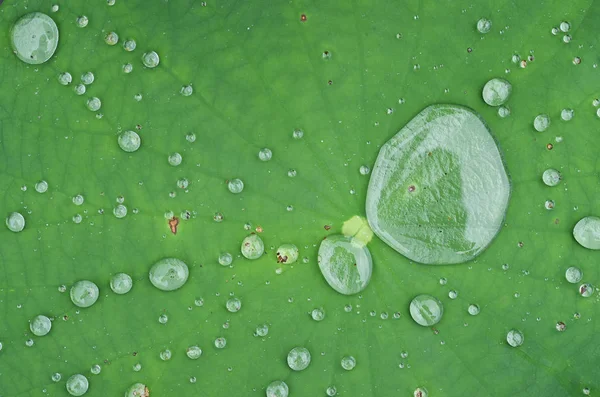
556	221
411	188
281	259
549	146
259	229
435	331
327	227
303	18
173	222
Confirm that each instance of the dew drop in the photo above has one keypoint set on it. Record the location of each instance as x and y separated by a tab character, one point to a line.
252	247
220	343
277	388
345	263
163	318
587	232
233	305
150	59
287	253
193	352
473	309
586	290
186	90
84	293
96	369
566	114
129	45
82	21
120	211
348	363
225	259
129	141
318	314
484	25
111	38
265	154
87	78
496	91
94	104
165	355
261	330
235	185
426	310
515	338
65	78
34	38
15	222
551	177
331	391
298	358
573	275
40	325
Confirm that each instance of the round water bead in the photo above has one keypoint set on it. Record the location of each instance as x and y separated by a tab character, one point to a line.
77	218
565	26
65	78
165	355
298	133
496	91
220	343
348	363
82	21
551	177
420	392
318	314
111	38
150	59
298	358
252	246
41	186
87	78
426	310
78	199
56	377
163	318
573	275
120	211
567	38
587	232
364	170
235	185
292	173
34	38
129	45
193	352
94	104
515	338
233	305
84	293
15	222
567	114
29	342
96	369
138	390
190	137
345	263
278	388
503	111
586	290
541	122
187	90
121	283
287	253
40	325
79	89
261	330
169	274
452	294
549	204
331	391
560	326
137	367
265	154
129	141
473	310
77	385
225	259
127	68
484	25
175	159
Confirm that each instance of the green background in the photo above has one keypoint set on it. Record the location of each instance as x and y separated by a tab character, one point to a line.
258	73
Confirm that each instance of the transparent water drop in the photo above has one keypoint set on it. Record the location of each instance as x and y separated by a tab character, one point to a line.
298	358
565	26
586	290
586	391
218	217
29	342
165	355
318	314
503	111
573	275
87	78
345	263
15	222
541	122
473	309
169	274
199	302
515	338
287	253
56	377
452	294
121	283
94	104
220	343
40	325
150	59
82	21
252	247
587	232
364	170
420	392
34	38
78	199
233	305
567	114
567	38
484	25
348	308
110	2
186	90
551	177
65	78
120	211
262	330
138	390
298	133
348	363
79	89
190	137
225	259
426	310
77	218
193	352
265	154
560	326
292	173
443	281
235	185
175	159
182	183
278	388
193	379
331	391
137	367
129	141
96	369
84	293
496	91
111	38
129	45
127	68
549	204
163	318
41	186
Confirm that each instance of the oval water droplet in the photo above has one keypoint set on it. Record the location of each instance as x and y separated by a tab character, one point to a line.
34	38
318	314
262	330
587	232
265	154
252	247
111	38
235	185
484	25
346	264
82	21
193	352
94	104
225	259
233	305
175	159
473	310
287	253
220	343
138	390
169	274
129	45
586	290
150	59
551	177
165	355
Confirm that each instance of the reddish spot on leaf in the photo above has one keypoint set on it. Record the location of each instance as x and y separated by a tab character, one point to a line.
327	227
303	17
173	222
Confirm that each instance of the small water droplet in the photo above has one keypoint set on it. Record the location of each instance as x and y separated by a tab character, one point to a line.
348	363
515	338
484	25
111	38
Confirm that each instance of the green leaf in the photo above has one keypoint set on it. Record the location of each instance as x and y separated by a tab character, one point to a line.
258	73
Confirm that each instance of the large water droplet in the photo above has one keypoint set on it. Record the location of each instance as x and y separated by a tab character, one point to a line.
515	338
298	358
175	159
87	78
496	92
541	122
40	325
484	25
573	275
587	232
233	305
586	290
150	59
169	274
439	190
129	141
34	38
84	293
111	38
94	104
426	310
77	385
65	78
346	264
278	389
252	247
551	177
15	222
